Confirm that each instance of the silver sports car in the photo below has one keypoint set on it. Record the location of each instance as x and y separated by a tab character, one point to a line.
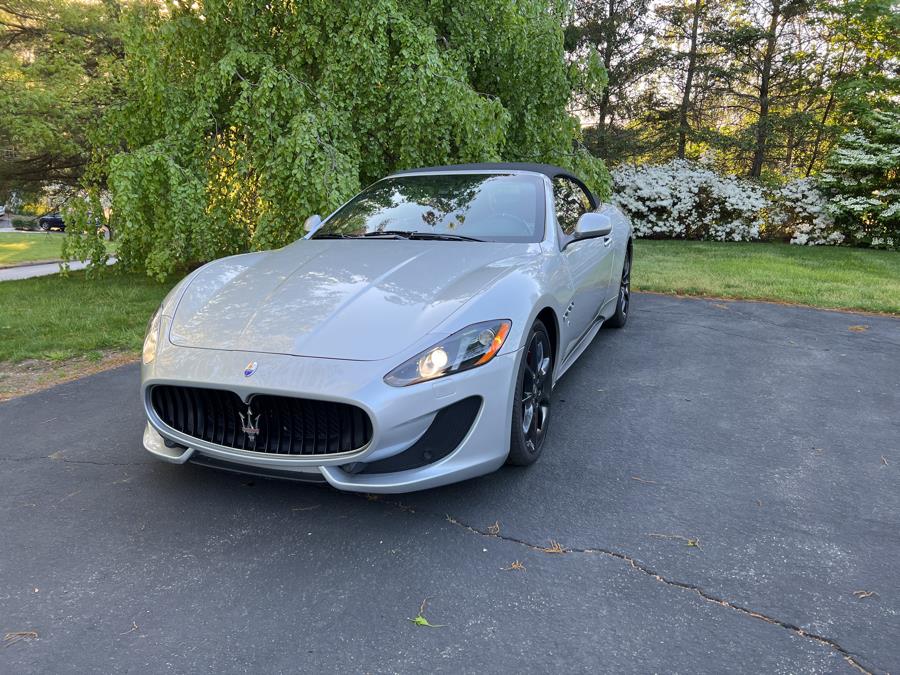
409	340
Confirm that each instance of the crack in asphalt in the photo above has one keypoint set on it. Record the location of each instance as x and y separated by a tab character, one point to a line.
848	656
73	461
851	658
88	461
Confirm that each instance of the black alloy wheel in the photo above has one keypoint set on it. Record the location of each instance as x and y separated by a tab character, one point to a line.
623	303
531	407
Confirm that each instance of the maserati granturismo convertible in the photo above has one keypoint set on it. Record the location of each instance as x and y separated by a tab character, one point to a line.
409	340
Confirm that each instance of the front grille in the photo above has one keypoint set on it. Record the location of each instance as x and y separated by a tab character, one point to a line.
287	426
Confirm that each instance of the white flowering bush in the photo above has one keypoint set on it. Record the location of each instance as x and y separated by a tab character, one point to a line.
687	200
800	213
861	181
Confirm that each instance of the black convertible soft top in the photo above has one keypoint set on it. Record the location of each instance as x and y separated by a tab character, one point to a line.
547	169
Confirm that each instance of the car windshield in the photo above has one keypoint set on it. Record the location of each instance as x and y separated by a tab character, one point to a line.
485	207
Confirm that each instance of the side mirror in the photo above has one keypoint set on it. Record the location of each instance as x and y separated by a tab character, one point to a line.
312	223
593	224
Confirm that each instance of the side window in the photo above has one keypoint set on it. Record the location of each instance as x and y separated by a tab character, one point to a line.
570	202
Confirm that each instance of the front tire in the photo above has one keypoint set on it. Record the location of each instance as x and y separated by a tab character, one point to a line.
531	406
623	303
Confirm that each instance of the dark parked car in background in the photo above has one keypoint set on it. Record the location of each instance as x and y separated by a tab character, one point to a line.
52	221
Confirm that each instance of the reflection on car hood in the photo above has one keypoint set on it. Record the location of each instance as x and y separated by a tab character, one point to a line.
360	300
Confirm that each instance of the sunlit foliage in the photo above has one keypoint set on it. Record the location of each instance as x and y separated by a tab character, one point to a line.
242	117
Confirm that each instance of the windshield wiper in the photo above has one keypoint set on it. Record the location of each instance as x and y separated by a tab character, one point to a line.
388	234
440	236
399	234
396	234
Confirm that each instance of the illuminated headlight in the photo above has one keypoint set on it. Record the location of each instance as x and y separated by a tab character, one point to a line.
471	347
151	341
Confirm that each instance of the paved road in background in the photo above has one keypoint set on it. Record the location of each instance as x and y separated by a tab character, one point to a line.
766	435
41	270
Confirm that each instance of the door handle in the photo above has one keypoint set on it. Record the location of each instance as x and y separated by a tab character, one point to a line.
607	241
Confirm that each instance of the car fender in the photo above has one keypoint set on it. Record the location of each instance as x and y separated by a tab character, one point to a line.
621	234
519	295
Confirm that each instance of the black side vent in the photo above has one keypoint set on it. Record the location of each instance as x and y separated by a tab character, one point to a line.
447	431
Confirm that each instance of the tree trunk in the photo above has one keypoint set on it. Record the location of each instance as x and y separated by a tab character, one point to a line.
792	138
762	124
688	82
603	109
820	133
609	48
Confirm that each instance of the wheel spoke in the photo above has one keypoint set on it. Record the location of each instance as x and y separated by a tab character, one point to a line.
544	368
527	420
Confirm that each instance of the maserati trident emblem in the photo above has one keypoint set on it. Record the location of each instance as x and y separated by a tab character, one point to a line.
250	426
250	369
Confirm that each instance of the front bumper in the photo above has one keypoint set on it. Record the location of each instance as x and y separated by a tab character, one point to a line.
399	415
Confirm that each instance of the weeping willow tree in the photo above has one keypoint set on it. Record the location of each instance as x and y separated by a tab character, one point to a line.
241	117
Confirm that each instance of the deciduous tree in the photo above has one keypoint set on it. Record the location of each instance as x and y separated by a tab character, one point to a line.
57	76
242	117
619	34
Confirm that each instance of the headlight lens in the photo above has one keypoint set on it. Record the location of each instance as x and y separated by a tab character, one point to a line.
151	341
473	346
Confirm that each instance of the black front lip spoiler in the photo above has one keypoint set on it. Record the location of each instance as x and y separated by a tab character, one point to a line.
262	472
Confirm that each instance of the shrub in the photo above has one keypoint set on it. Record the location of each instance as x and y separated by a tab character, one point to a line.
862	181
799	213
24	223
687	200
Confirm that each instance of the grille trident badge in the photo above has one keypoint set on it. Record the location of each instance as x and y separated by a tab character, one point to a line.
250	426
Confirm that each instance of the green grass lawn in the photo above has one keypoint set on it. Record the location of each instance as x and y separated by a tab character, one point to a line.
820	276
21	247
57	318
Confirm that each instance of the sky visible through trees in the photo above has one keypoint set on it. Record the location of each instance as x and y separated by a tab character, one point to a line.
764	88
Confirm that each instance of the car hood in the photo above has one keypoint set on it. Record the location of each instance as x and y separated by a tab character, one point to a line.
358	300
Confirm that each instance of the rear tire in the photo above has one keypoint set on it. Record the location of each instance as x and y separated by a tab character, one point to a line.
531	405
623	302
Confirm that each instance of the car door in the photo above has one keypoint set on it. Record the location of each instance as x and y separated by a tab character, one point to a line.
588	261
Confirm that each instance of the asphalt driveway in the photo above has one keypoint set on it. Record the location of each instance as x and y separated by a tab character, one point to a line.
723	476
